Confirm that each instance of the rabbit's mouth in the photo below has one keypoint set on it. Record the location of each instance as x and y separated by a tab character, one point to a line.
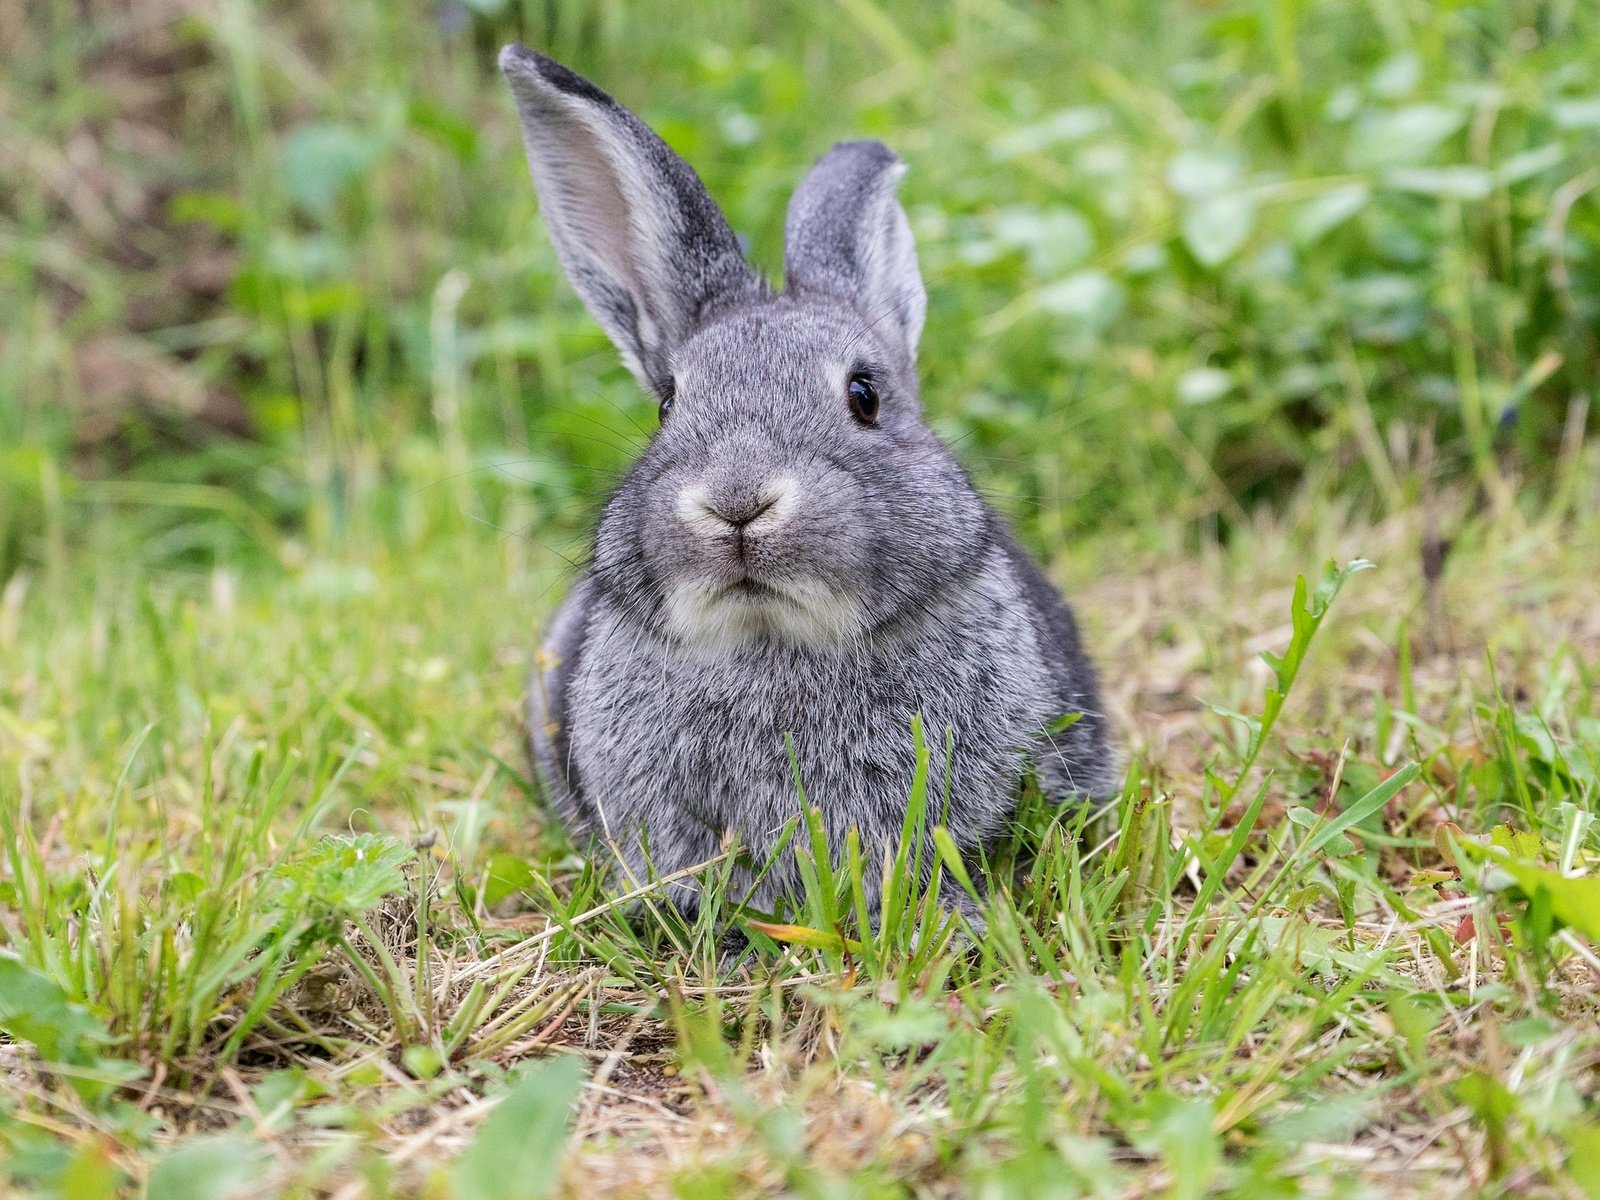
712	616
752	589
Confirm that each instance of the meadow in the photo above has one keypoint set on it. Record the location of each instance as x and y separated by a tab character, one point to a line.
1269	324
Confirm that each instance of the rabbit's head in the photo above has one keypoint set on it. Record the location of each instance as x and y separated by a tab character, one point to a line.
792	490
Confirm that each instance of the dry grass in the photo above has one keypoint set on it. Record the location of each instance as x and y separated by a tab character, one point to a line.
226	660
785	1068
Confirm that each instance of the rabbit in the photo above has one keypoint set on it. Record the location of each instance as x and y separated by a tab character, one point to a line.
795	560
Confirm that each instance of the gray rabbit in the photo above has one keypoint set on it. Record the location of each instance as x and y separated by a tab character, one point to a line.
796	559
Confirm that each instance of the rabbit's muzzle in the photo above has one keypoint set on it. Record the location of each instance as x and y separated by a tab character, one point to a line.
735	515
743	576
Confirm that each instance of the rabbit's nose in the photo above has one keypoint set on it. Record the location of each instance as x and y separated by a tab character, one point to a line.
741	510
715	512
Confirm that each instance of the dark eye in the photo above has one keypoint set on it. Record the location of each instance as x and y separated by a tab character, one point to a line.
669	393
863	399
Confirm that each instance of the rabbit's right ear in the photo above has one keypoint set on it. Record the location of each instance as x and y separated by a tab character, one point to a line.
644	245
847	235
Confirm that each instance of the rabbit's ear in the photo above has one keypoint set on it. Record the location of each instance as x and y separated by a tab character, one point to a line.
644	245
847	235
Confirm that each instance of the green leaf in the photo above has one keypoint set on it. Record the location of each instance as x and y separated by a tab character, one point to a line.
1064	125
1447	183
507	875
1397	76
1577	114
1216	227
34	1008
185	888
209	1169
1572	900
454	133
422	1061
1515	842
1197	174
1486	1095
1190	1147
1314	947
917	1021
950	855
516	1154
342	877
1305	614
1055	239
1202	385
214	208
1331	209
91	1174
1310	818
1063	723
321	159
1494	1105
1363	808
1303	898
1403	136
1583	1159
279	1093
1530	163
1091	298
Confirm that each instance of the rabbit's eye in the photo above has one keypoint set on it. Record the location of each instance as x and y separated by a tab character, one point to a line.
669	393
863	399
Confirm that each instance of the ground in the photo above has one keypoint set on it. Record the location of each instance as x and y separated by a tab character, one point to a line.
301	431
1380	1014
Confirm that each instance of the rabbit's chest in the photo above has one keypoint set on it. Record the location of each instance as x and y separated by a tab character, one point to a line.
701	723
730	738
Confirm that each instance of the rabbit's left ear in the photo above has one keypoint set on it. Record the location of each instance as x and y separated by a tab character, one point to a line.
645	246
847	236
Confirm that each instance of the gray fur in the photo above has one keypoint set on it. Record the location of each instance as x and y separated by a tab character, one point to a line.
847	237
650	253
771	566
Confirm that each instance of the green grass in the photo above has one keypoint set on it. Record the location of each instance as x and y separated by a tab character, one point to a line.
1213	253
300	428
1252	980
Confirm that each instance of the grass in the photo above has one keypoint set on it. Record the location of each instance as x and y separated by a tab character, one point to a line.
299	429
271	856
1250	246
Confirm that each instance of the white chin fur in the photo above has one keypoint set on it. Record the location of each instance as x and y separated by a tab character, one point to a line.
708	617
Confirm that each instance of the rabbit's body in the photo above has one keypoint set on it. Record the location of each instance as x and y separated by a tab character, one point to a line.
796	559
692	748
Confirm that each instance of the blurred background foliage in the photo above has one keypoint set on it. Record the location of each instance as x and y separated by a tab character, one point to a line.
271	274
